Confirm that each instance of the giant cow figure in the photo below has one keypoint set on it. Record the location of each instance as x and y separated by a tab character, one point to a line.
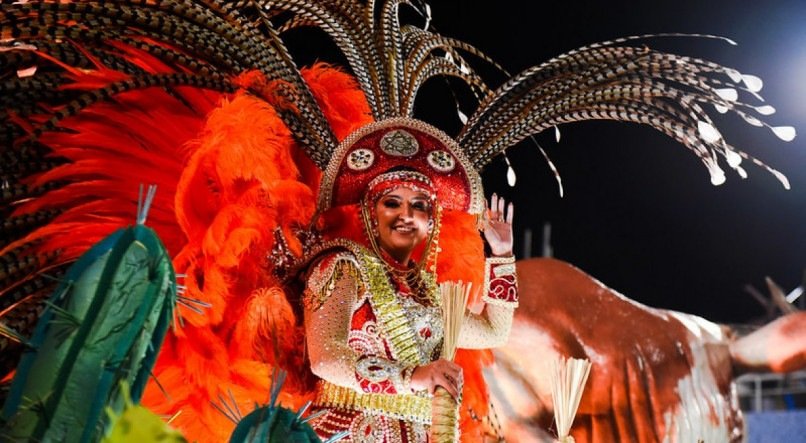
657	375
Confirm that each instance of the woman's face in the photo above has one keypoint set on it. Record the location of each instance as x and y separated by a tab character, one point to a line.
402	221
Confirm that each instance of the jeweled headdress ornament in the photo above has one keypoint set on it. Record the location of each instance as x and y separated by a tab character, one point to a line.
401	143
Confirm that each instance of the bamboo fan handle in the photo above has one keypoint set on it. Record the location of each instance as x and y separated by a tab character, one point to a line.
444	408
445	417
568	383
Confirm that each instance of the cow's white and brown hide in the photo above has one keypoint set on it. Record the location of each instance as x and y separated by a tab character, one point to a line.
657	375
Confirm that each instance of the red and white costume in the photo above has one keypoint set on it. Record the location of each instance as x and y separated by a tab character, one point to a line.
364	347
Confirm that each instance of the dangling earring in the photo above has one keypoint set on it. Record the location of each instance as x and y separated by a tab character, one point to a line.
374	227
429	257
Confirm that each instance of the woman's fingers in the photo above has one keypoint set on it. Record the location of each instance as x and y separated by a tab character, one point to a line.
440	373
492	209
452	376
499	210
451	368
449	383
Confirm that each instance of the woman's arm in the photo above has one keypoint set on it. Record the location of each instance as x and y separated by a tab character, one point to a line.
491	328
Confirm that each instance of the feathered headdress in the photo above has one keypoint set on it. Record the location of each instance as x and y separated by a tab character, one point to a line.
98	96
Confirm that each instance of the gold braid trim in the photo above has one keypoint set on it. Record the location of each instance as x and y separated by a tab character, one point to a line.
391	317
407	407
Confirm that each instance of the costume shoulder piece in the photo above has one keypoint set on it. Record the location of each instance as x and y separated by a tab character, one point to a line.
331	261
324	273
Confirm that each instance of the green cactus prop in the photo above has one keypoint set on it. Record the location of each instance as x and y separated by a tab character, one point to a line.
104	324
274	423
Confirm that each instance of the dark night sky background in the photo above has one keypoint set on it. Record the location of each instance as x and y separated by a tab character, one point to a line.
639	211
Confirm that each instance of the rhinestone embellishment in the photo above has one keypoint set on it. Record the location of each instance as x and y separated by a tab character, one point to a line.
399	143
360	159
441	160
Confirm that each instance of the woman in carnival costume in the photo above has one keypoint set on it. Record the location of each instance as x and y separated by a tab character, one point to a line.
374	326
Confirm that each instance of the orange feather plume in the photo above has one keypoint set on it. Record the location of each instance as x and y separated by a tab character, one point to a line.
244	178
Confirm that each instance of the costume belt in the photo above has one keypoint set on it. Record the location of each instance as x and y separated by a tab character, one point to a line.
408	407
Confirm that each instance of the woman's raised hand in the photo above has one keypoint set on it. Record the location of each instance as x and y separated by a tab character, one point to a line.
498	226
443	373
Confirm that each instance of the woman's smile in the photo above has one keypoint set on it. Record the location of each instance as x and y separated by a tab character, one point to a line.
402	221
405	229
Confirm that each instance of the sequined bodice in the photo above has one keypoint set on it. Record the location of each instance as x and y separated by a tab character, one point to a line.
370	326
426	321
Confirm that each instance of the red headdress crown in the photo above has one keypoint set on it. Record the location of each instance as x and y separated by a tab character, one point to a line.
401	143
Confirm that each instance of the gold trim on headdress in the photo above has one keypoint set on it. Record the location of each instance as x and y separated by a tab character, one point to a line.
399	147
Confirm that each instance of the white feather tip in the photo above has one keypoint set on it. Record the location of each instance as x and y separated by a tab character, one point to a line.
733	158
752	120
765	110
753	83
708	132
462	116
734	75
728	94
781	178
785	133
717	176
511	178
